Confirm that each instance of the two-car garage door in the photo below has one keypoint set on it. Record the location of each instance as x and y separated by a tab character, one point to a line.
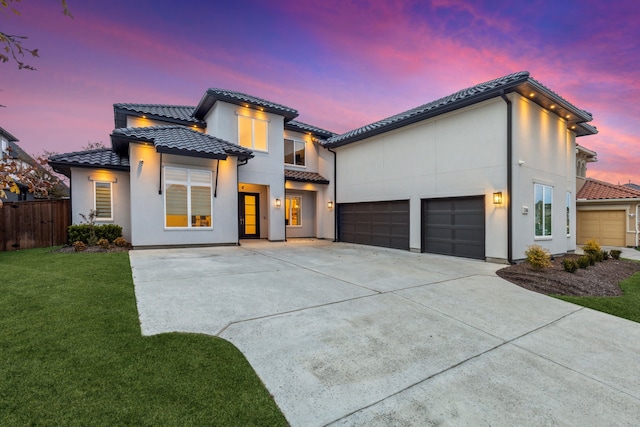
450	226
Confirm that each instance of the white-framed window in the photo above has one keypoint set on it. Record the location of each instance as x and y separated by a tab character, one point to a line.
568	213
294	152
543	201
293	211
103	200
187	198
252	133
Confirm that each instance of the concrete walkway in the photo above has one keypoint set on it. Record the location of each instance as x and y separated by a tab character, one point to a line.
347	335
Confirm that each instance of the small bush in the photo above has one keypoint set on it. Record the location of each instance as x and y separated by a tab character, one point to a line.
570	265
583	261
79	246
592	259
538	257
82	232
108	231
592	246
615	253
605	255
103	243
120	242
598	256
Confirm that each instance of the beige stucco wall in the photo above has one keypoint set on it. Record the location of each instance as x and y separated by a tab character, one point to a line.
83	196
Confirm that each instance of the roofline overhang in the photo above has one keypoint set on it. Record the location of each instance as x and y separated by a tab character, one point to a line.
625	200
210	98
190	123
189	153
65	167
7	135
317	181
455	105
523	86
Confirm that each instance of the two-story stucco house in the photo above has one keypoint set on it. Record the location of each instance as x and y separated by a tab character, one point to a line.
482	173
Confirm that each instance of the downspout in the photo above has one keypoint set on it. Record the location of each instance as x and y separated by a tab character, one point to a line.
637	225
509	177
215	188
335	192
160	172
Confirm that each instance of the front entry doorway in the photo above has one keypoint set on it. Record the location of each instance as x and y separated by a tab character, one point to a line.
249	215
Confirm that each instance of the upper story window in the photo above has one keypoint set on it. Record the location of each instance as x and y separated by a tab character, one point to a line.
543	197
187	197
252	133
294	152
103	201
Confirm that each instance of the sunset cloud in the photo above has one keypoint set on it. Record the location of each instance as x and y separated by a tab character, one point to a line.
342	64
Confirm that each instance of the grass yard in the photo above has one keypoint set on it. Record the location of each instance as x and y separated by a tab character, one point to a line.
71	353
626	306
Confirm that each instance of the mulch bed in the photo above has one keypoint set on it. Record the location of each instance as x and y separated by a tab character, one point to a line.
601	279
112	248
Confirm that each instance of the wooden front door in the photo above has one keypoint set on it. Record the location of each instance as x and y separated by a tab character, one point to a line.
249	213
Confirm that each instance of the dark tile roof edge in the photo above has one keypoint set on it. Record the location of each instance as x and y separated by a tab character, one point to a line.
150	110
212	95
299	126
62	162
130	133
302	176
7	135
463	98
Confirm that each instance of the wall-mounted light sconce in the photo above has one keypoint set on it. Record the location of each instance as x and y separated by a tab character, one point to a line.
497	198
278	203
329	205
140	162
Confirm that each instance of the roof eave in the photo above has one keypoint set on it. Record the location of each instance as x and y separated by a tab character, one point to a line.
455	105
190	123
190	153
623	200
312	181
210	98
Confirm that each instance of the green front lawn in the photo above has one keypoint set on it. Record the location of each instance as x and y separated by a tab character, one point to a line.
626	306
71	353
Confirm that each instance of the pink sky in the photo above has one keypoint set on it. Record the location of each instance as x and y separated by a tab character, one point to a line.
341	64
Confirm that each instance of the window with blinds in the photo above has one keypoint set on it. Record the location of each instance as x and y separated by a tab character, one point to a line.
103	201
187	198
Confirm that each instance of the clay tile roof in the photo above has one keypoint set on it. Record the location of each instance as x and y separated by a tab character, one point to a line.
182	141
600	190
301	176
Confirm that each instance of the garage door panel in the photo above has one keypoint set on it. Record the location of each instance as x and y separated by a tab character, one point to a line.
607	227
454	226
375	223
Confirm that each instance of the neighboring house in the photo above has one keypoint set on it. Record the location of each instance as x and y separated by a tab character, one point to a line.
482	173
12	152
632	186
584	156
608	213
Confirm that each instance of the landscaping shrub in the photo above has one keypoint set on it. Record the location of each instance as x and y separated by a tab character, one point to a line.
82	232
79	246
570	265
615	253
591	246
108	231
538	257
583	261
592	259
120	242
598	256
103	243
605	255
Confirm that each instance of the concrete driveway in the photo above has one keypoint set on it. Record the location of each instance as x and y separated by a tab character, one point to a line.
347	335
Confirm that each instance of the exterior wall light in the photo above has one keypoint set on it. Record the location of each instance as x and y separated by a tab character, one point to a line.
329	205
278	203
497	198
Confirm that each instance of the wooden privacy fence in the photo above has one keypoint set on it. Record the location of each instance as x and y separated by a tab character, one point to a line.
37	224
